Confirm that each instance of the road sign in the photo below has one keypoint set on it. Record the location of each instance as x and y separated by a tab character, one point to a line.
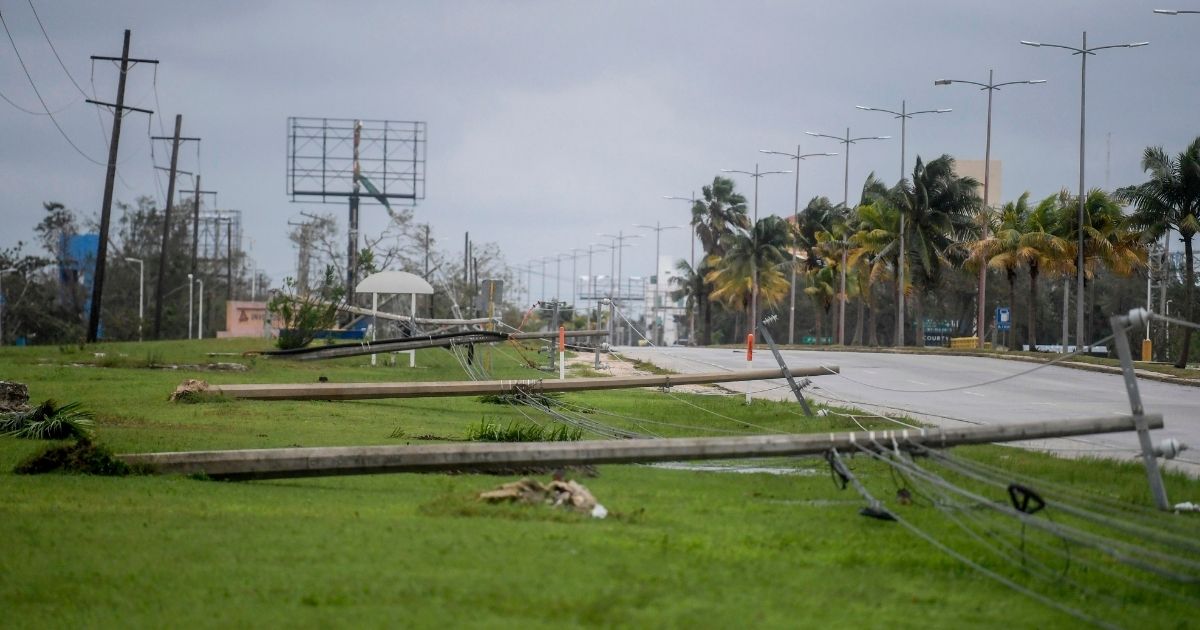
1003	318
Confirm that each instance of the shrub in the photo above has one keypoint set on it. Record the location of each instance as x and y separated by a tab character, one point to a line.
83	456
305	315
491	431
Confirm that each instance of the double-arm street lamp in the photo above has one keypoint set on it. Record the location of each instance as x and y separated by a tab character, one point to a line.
991	86
618	248
1083	53
757	175
658	227
797	156
695	235
903	115
847	141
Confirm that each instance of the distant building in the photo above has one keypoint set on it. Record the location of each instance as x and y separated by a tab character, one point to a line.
974	168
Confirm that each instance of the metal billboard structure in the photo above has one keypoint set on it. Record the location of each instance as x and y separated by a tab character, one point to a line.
334	159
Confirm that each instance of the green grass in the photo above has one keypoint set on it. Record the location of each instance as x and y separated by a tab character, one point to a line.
680	548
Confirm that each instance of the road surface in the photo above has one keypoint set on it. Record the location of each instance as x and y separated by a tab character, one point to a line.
900	384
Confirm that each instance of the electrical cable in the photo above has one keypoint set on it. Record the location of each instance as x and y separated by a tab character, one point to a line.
42	100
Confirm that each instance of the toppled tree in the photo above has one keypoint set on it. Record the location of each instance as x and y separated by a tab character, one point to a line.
304	314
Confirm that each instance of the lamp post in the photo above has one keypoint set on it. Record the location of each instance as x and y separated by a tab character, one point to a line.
619	250
2	304
991	86
141	290
200	315
903	115
796	224
592	278
658	227
692	261
1173	11
1083	53
191	310
757	175
847	141
575	253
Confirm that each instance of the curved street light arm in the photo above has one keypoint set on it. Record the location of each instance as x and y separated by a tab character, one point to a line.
1041	45
825	135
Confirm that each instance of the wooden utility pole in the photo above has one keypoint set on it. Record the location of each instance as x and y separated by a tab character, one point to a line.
282	463
362	391
109	180
166	234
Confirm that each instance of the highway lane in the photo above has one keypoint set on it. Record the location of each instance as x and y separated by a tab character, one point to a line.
909	384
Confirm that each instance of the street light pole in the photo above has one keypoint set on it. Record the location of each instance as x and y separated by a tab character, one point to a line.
903	115
200	322
695	234
141	290
991	86
797	156
658	228
757	175
847	141
191	310
1083	55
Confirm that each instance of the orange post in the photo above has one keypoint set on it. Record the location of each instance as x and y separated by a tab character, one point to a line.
562	338
749	346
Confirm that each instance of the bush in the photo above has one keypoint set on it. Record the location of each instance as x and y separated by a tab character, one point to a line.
305	315
491	431
48	422
83	456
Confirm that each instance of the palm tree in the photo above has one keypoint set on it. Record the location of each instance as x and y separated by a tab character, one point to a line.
820	289
691	288
721	211
939	209
751	266
875	246
1171	200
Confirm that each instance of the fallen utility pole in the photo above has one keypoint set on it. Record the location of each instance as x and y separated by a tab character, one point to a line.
404	344
478	321
283	463
360	391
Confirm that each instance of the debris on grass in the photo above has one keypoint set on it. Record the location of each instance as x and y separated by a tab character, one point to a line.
191	390
48	421
566	494
82	456
14	397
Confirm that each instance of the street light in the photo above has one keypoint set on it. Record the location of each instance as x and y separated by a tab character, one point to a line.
1083	55
991	86
695	235
2	272
618	251
1173	11
795	219
847	141
903	115
658	228
141	290
191	310
757	175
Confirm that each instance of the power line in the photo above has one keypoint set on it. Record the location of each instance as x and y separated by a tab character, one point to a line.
39	95
55	51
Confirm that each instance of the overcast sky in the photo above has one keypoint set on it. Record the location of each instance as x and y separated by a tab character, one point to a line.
549	122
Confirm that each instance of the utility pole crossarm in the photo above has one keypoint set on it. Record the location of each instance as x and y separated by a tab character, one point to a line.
119	106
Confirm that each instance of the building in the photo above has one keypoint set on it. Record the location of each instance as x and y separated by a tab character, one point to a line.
974	168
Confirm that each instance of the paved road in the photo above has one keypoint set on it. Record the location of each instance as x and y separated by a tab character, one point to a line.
892	383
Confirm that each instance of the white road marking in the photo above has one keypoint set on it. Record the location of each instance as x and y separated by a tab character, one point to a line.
975	394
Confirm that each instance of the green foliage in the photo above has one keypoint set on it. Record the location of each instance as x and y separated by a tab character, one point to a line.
48	421
542	398
489	430
82	456
305	314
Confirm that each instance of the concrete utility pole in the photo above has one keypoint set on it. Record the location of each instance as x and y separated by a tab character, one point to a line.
658	227
106	208
695	226
352	227
229	259
166	233
757	175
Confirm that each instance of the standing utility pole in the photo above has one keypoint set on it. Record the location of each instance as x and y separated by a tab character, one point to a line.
1083	55
991	86
352	247
166	233
695	227
797	156
106	208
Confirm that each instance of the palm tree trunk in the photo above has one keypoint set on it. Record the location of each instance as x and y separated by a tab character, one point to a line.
873	326
858	325
1066	307
1012	308
899	301
1033	306
819	320
919	315
1189	280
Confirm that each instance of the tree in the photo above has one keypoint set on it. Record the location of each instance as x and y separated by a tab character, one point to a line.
1171	200
939	207
690	287
717	214
751	266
